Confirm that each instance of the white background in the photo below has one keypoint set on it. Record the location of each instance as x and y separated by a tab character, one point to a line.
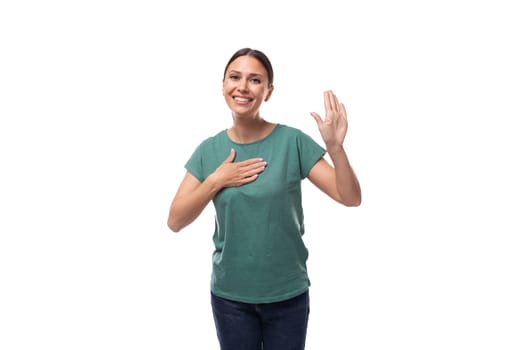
102	102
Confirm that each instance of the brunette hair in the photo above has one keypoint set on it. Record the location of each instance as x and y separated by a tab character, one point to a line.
259	56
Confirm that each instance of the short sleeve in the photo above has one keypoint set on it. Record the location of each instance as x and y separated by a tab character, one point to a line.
309	153
195	164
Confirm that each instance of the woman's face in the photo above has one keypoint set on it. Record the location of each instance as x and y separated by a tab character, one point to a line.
245	86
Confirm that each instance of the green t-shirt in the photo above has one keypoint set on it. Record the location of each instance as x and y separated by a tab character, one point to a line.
259	253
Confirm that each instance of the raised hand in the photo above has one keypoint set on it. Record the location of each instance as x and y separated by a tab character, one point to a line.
335	125
232	174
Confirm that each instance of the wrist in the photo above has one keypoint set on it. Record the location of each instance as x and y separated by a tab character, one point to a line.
213	181
334	148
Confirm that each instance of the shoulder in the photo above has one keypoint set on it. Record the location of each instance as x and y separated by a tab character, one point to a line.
212	140
290	130
295	133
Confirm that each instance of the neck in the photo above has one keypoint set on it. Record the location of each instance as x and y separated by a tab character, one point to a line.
246	131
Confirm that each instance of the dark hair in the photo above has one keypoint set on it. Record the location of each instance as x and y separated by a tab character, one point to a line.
259	56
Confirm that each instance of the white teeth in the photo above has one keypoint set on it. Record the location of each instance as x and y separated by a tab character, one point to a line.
241	99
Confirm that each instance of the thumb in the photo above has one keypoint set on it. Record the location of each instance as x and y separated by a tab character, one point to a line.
231	156
317	118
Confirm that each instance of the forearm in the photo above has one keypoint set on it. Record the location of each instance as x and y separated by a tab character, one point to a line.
347	183
185	208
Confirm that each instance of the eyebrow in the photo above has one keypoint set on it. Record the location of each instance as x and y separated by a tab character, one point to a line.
250	74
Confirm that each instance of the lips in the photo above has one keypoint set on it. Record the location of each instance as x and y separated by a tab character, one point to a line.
242	99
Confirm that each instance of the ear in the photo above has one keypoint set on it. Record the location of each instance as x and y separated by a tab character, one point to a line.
268	94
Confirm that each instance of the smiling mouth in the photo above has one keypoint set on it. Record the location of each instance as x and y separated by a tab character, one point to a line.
242	99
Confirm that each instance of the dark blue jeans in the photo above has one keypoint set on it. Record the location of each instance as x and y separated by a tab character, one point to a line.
273	326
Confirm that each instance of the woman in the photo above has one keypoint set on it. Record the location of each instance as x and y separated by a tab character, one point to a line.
252	172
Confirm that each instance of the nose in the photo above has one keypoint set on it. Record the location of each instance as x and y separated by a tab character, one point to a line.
243	85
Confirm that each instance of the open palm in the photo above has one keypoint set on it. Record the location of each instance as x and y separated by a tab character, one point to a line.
335	125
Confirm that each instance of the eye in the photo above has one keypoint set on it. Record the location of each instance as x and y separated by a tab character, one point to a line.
234	77
256	80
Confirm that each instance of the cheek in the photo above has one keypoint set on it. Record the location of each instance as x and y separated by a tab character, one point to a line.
226	88
267	95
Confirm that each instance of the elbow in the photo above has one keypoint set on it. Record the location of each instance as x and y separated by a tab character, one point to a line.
352	202
176	222
174	226
353	199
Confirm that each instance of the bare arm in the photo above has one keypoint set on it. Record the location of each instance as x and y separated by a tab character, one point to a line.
193	196
340	181
189	202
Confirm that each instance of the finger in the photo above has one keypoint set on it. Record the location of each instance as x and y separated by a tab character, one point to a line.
251	162
250	174
343	110
248	179
254	171
327	101
317	118
230	157
334	101
254	167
